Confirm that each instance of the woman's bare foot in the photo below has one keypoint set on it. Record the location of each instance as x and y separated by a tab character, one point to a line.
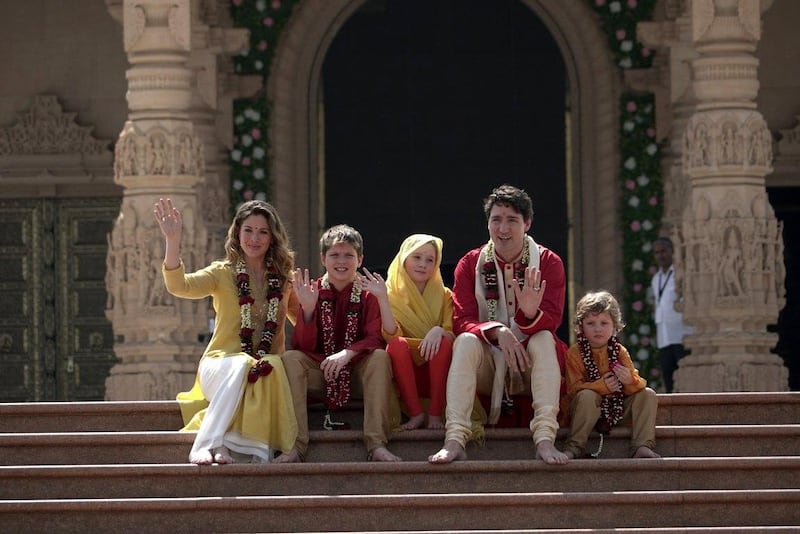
223	456
435	422
451	452
291	457
201	457
645	452
414	422
547	452
382	454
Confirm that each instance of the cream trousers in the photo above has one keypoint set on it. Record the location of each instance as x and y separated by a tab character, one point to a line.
472	371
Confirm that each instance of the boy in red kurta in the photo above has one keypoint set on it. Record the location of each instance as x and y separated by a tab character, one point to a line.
338	338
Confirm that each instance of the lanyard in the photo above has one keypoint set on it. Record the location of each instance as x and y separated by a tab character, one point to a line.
663	285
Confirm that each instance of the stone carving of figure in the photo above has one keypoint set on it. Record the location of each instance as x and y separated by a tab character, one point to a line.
157	292
731	264
6	343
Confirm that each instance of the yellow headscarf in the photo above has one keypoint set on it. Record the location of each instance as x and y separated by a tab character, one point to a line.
417	313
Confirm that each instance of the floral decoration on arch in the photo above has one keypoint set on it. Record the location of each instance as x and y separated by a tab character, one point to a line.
642	191
249	157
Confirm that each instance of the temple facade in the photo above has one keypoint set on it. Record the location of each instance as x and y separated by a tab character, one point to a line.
108	105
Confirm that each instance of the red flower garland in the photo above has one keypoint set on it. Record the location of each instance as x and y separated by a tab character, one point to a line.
612	406
273	299
337	391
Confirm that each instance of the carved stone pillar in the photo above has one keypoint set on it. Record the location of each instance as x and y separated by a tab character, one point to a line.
729	249
158	154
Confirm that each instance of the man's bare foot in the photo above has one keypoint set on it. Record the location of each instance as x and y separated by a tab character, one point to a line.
382	454
291	457
201	457
645	452
547	452
414	422
451	452
435	422
223	456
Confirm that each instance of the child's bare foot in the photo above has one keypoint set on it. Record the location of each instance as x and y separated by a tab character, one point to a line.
291	457
222	455
547	452
382	454
435	422
645	452
201	457
414	422
451	452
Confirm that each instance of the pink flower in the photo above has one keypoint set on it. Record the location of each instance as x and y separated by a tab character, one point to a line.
646	52
630	184
255	133
653	201
651	132
620	35
248	195
635	225
237	2
599	3
235	139
655	372
268	22
631	106
246	161
645	341
637	306
262	45
276	4
637	287
632	4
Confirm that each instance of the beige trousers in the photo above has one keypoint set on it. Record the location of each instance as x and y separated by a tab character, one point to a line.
372	380
640	409
472	371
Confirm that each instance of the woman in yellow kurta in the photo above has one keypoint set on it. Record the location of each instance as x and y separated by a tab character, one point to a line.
241	400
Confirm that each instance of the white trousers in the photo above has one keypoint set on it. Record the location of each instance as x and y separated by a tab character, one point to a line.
223	381
472	371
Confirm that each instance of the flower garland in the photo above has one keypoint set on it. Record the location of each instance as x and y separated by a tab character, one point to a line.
612	406
273	300
337	391
490	278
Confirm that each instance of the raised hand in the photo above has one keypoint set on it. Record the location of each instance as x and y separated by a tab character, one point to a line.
530	295
168	218
307	291
374	283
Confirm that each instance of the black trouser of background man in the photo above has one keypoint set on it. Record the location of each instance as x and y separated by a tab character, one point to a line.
668	357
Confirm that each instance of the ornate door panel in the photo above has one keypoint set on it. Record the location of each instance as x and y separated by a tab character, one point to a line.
55	342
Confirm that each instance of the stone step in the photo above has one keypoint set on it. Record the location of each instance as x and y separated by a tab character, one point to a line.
419	512
674	409
63	448
364	478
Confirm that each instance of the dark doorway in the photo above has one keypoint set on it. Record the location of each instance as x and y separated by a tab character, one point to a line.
429	104
786	203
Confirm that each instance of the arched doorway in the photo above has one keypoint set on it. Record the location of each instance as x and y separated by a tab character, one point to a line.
427	106
297	141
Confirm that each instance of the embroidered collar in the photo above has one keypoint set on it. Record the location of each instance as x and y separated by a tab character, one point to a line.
490	279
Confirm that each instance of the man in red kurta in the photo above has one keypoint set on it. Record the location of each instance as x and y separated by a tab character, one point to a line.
508	302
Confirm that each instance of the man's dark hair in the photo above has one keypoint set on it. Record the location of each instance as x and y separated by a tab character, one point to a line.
665	241
508	195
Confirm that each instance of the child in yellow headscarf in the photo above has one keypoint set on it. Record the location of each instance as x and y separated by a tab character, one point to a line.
417	317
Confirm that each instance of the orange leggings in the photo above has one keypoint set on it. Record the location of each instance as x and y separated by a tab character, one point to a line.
428	379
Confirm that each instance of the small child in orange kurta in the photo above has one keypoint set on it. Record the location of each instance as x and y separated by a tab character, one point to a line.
603	385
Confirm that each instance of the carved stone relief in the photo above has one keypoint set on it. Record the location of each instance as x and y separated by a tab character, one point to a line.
158	152
713	141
